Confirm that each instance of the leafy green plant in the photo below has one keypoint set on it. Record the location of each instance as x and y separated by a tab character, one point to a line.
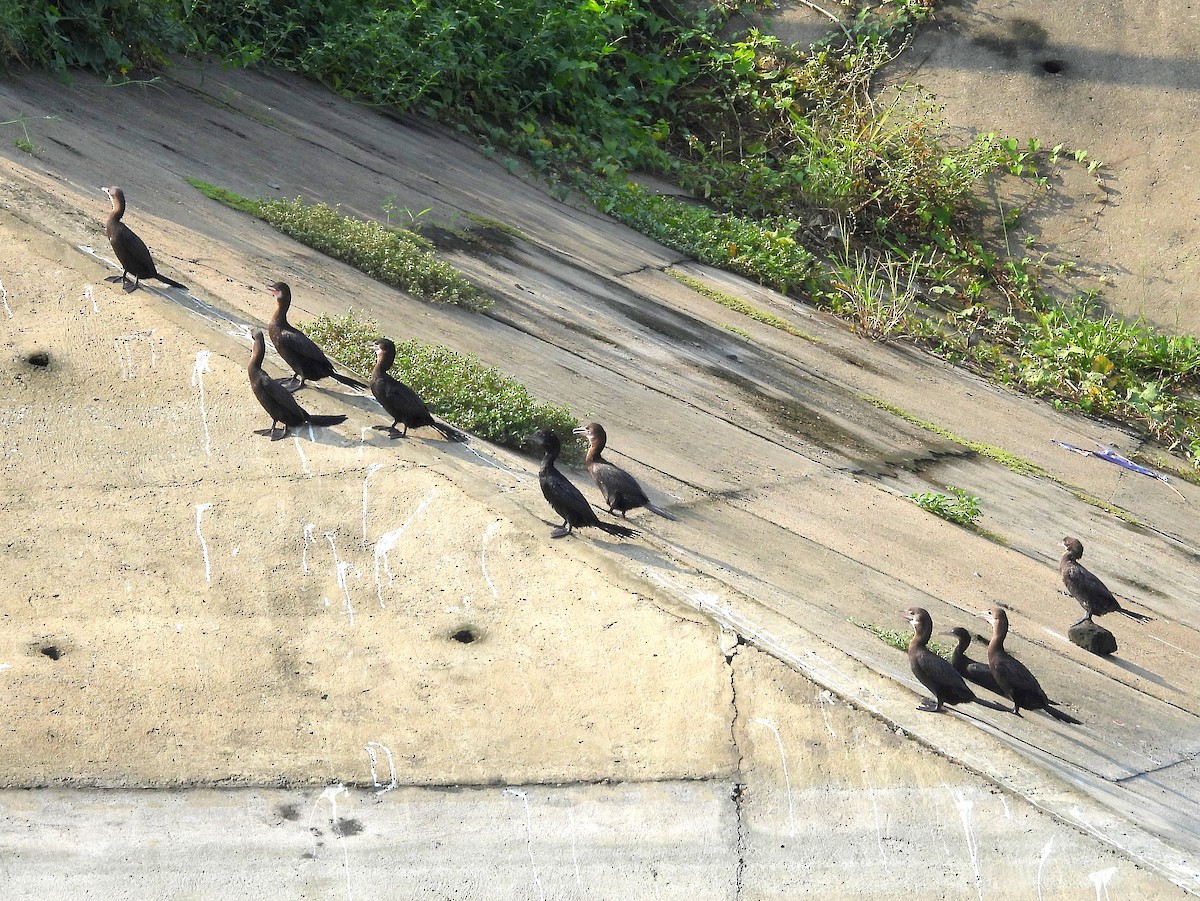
395	256
458	387
879	297
899	639
957	507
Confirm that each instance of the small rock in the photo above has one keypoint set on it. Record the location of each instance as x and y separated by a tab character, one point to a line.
1094	638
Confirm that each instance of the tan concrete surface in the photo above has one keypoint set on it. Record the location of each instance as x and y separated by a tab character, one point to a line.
594	663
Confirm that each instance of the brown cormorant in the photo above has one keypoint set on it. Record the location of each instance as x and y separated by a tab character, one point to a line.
1017	683
931	670
275	398
621	490
971	670
567	501
131	251
1092	594
297	349
400	401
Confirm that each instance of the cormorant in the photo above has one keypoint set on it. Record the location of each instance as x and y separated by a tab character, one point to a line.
931	670
297	349
1017	682
971	670
564	497
1092	594
131	251
621	490
275	398
400	401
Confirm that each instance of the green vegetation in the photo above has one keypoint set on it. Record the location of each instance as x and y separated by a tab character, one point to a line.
740	306
804	173
999	455
899	640
958	507
456	386
396	256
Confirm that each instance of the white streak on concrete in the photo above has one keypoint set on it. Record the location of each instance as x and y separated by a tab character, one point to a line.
331	794
1101	879
200	508
342	567
1042	864
198	371
311	436
574	849
517	793
4	300
1004	804
487	533
303	459
965	807
371	470
787	780
90	297
308	539
387	543
123	344
4	666
371	746
1175	646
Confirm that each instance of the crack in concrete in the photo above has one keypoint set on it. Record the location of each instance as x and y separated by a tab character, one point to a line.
739	786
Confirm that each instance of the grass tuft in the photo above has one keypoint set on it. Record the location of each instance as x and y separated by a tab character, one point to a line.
395	256
740	306
458	387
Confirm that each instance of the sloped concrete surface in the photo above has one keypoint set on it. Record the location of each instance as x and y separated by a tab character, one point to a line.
207	636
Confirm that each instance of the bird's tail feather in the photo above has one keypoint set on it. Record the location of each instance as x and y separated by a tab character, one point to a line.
450	432
613	529
1059	715
346	380
171	282
1139	617
327	420
661	512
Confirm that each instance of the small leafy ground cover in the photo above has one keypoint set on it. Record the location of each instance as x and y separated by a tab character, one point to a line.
395	256
455	386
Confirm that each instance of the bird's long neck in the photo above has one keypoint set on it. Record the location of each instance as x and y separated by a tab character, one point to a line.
960	649
921	632
999	632
256	355
118	210
384	359
282	304
548	460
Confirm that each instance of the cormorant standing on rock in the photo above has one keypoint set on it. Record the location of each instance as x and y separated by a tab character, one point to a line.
971	670
1092	594
564	497
621	490
400	401
1017	682
131	251
932	671
275	398
297	349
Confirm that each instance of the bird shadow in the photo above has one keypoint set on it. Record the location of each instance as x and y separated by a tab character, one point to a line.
1143	672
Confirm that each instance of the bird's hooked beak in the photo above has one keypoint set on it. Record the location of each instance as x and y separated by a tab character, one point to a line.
987	614
579	431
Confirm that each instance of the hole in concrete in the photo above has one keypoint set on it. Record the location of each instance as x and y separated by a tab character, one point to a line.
465	636
52	651
1054	67
39	358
